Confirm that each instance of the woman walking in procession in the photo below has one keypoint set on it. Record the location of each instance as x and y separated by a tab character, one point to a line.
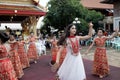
100	65
32	50
72	67
22	54
14	57
54	49
6	67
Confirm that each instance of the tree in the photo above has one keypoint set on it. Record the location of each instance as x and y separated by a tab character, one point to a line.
63	12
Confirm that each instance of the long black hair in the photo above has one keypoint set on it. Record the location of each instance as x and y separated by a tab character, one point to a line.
65	35
4	37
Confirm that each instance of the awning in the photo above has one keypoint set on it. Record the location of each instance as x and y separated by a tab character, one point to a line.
21	10
95	4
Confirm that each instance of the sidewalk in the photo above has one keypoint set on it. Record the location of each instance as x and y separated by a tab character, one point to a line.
113	55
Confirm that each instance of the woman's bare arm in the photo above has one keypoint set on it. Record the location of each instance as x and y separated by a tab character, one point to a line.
89	34
113	35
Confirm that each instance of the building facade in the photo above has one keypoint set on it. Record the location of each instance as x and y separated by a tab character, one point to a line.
116	4
26	12
105	9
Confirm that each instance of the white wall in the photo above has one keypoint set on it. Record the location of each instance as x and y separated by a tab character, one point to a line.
116	23
43	2
13	26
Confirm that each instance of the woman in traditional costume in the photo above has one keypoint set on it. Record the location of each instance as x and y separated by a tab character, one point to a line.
62	56
54	49
72	67
100	65
22	54
32	50
6	68
15	57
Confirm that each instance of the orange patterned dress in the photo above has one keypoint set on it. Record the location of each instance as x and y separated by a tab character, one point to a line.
16	60
63	54
32	50
23	55
6	68
54	50
100	66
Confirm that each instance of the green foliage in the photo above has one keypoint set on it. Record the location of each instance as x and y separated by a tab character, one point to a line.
63	12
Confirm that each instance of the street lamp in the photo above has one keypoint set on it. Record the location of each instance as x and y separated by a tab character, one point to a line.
76	21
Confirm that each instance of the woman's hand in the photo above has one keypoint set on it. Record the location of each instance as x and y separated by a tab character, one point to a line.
90	24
